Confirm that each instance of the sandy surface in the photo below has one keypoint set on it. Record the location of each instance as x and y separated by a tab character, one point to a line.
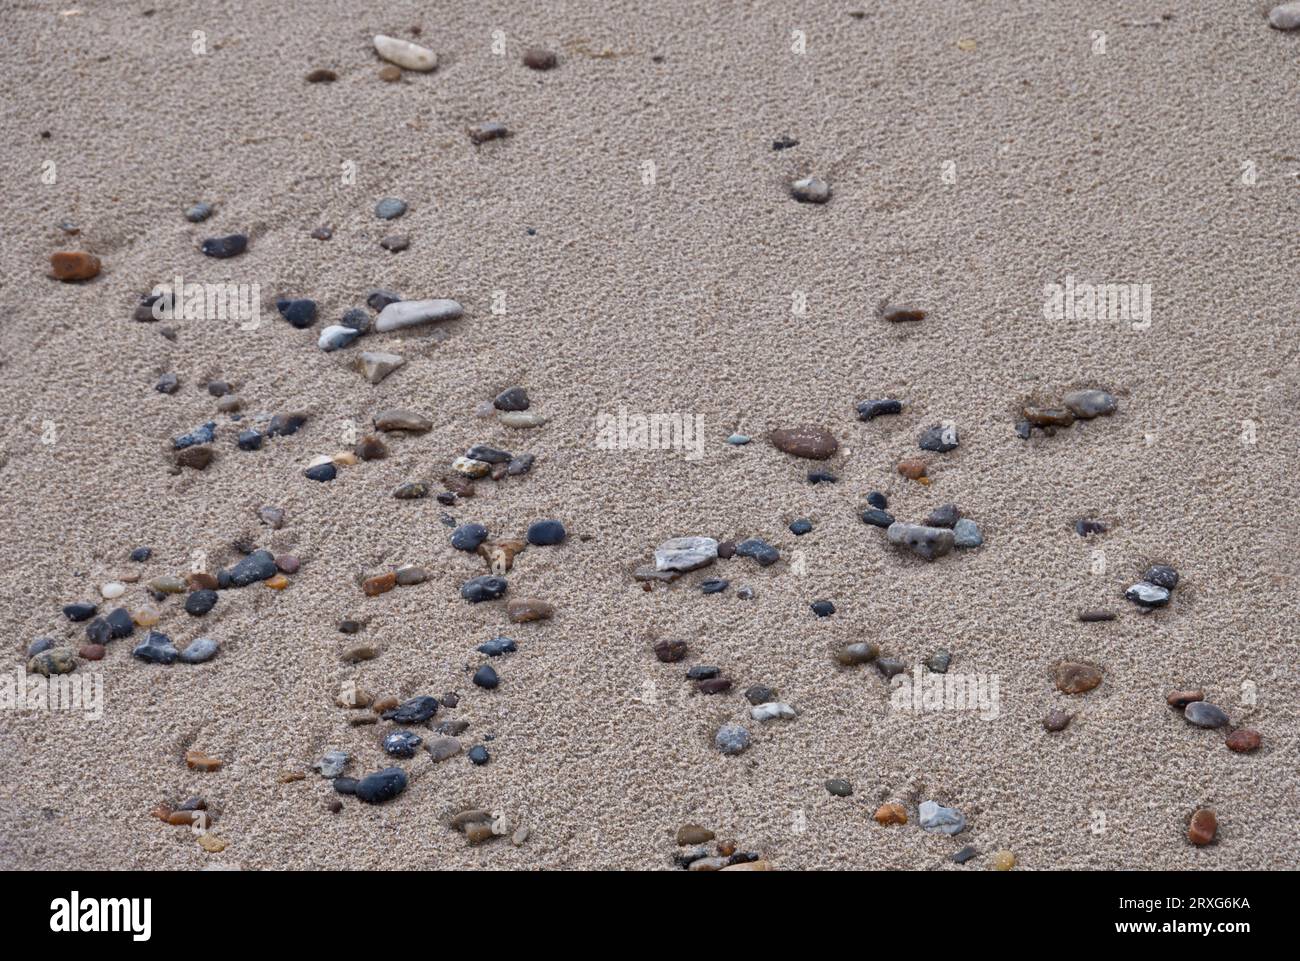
674	296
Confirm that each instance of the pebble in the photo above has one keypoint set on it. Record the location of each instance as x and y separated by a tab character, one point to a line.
694	834
112	589
731	739
800	527
966	534
98	631
1088	404
486	677
546	533
1205	714
538	58
716	685
371	447
489	130
58	660
411	490
670	651
858	653
877	499
299	312
167	384
772	711
337	337
1075	678
1162	576
484	588
1003	861
200	602
199	650
395	243
321	472
939	661
199	212
381	786
890	813
413	313
205	434
346	785
964	855
496	647
156	648
520	465
1203	827
452	728
520	420
39	645
379	584
250	440
196	760
890	666
398	419
707	864
926	542
759	550
1048	416
283	425
936	818
1085	527
945	516
322	75
839	787
702	672
1183	698
1093	616
196	458
411	574
811	190
92	652
80	611
738	440
912	469
1057	720
332	764
812	443
489	455
685	553
440	749
323	232
288	563
410	56
1285	16
822	608
416	710
525	609
1243	740
939	438
871	409
467	467
167	585
1146	594
877	517
257	566
478	755
223	247
468	537
69	266
514	399
401	743
900	313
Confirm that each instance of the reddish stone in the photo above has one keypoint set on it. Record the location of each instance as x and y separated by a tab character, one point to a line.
379	584
1183	698
73	265
92	652
1075	678
812	443
1242	741
912	469
1203	827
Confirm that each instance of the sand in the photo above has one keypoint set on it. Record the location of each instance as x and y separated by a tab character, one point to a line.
670	296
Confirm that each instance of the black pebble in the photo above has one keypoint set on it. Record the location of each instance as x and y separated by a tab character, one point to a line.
250	440
483	588
415	711
485	676
222	247
468	537
141	554
964	855
545	533
99	631
300	313
346	785
120	623
200	602
1163	576
702	672
871	409
497	646
167	384
945	516
823	608
478	755
379	299
321	472
800	527
80	611
821	477
714	585
381	786
877	499
516	398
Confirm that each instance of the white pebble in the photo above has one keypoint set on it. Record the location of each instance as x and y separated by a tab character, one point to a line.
412	313
112	589
1285	16
771	711
412	56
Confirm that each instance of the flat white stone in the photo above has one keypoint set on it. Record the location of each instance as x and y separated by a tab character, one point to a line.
412	56
521	418
1285	16
413	313
685	553
771	711
112	589
336	337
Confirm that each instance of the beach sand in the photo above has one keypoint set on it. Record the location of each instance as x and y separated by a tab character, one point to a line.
675	295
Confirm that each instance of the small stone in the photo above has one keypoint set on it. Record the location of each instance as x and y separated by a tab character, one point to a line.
822	477
1002	861
707	864
927	542
257	566
812	443
694	834
759	550
538	58
57	660
1285	16
250	440
1146	594
489	130
323	232
91	652
912	469
198	761
738	440
321	472
416	710
223	247
199	650
899	314
379	584
1243	740
839	787
714	685
525	609
80	611
71	266
1183	698
859	653
938	662
514	399
211	843
337	337
401	743
964	855
410	56
411	574
1088	404
890	666
1048	416
945	516
395	243
452	728
520	465
1203	827
300	312
397	419
685	553
156	648
811	190
1024	429
167	384
167	585
939	438
1056	720
371	447
381	786
772	711
670	651
199	212
484	588
520	420
440	749
1205	714
1086	528
411	490
731	739
890	813
415	313
284	425
200	435
200	602
229	404
332	764
468	537
40	645
497	647
936	818
195	458
390	73
359	653
288	563
822	608
486	677
877	517
1093	616
966	534
1162	576
322	75
120	623
800	527
1075	678
478	755
546	533
871	409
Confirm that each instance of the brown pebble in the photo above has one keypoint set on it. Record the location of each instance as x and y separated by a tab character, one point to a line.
524	609
92	652
287	563
912	469
890	813
379	584
900	313
321	75
1183	698
385	704
371	447
162	812
726	848
1075	678
335	806
500	555
749	866
1048	416
73	265
693	834
362	652
713	685
200	581
1057	720
479	831
460	486
390	73
276	582
211	843
670	651
538	58
470	816
197	458
1089	617
812	443
1203	827
198	761
288	777
187	818
727	550
1243	740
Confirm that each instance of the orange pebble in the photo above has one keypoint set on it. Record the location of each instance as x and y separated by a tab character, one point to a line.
278	582
890	813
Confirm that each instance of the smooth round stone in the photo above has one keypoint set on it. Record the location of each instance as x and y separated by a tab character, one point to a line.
395	243
390	208
546	533
514	399
401	743
714	586
822	608
1203	826
1056	720
1205	714
538	58
398	419
468	537
483	588
92	652
877	517
112	590
520	419
74	265
1002	861
417	710
288	563
167	584
39	645
257	566
811	190
321	472
1087	404
936	818
1243	741
1147	594
486	676
731	739
200	602
345	785
878	500
772	711
902	313
839	787
526	609
198	213
223	247
156	648
800	527
336	337
440	749
478	755
57	660
409	56
411	491
738	440
871	409
939	438
120	623
415	313
200	649
1074	678
759	550
79	611
945	516
890	666
926	542
1183	698
685	553
859	653
1162	575
1285	16
760	694
966	534
356	319
410	575
812	443
381	786
495	648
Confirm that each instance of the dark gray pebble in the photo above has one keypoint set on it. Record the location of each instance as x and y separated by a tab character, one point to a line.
545	533
321	472
823	608
483	588
714	585
401	743
299	312
800	527
390	208
156	648
382	785
871	409
417	710
478	755
222	247
486	676
939	438
516	398
759	550
877	517
495	648
80	611
200	602
199	435
468	537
